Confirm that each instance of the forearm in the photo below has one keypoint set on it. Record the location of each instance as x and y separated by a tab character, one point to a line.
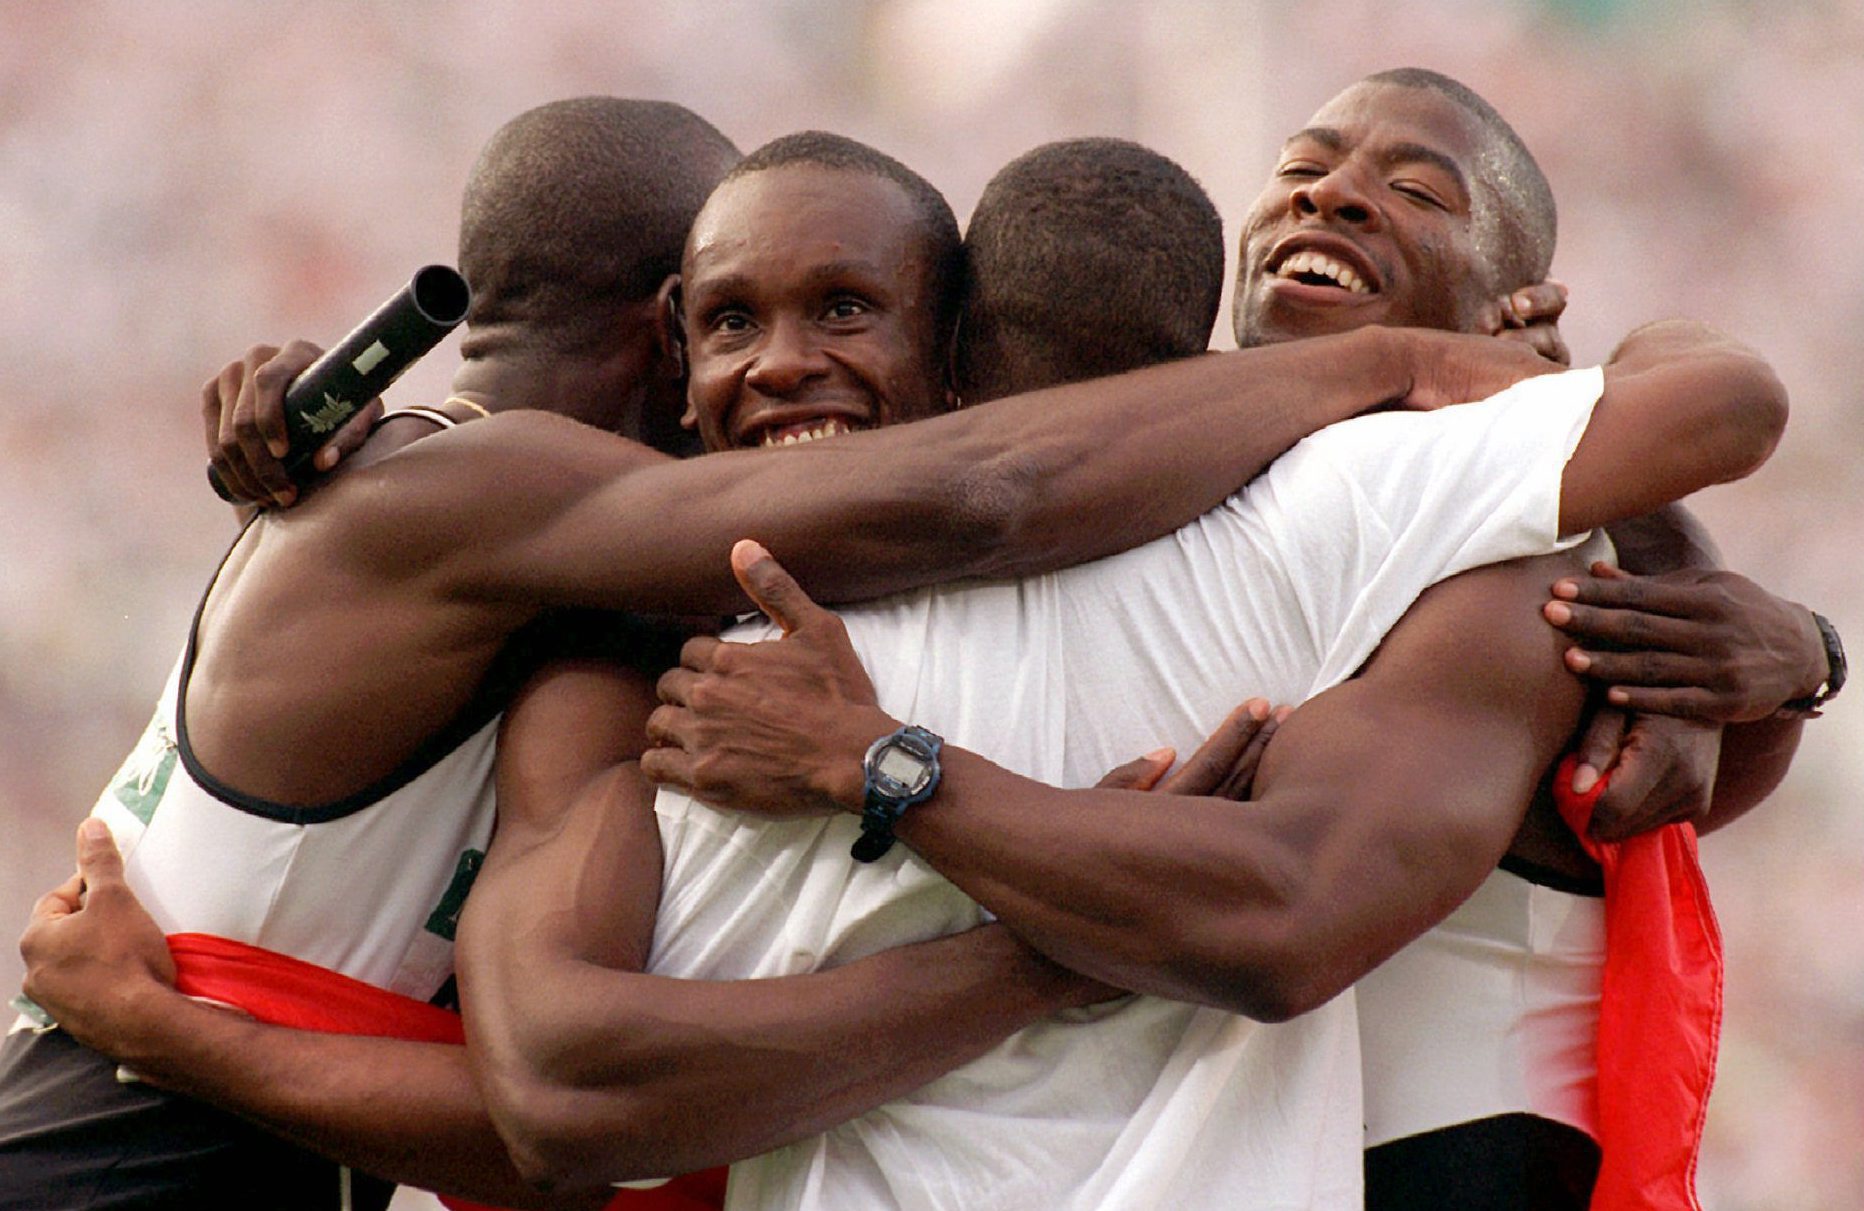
1186	898
404	1111
640	1076
1015	486
1683	408
1755	758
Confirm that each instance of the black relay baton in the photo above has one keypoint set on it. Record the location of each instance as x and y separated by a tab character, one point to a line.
336	385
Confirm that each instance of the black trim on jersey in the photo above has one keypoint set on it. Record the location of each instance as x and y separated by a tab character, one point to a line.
1545	876
646	645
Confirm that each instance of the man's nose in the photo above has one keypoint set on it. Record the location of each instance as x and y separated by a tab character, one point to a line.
790	357
1339	196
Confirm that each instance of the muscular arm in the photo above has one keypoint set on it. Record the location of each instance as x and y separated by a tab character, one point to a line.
1381	805
1684	407
408	1112
596	1072
1010	487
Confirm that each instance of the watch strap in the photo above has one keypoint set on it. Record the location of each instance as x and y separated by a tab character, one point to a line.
1809	707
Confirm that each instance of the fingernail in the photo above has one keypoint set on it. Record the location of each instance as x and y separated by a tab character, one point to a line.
1617	697
278	448
1258	709
1558	613
93	830
1522	302
1161	755
1568	589
1584	779
325	459
1560	286
1281	715
1577	660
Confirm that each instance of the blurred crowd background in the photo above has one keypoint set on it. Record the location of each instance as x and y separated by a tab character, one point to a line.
180	180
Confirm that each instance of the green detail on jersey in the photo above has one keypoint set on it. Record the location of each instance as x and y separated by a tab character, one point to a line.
325	419
445	919
26	1005
139	784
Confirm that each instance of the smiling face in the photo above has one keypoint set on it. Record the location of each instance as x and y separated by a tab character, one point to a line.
809	309
1379	212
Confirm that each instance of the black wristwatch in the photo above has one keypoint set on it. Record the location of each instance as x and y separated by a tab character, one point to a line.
1809	706
902	769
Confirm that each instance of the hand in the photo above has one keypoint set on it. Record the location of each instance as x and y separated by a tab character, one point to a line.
1531	315
1662	771
780	727
1224	766
1696	644
1459	368
93	954
243	408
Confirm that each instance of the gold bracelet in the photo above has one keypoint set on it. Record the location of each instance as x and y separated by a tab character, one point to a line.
463	402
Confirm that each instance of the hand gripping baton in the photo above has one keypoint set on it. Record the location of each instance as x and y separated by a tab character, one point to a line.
336	385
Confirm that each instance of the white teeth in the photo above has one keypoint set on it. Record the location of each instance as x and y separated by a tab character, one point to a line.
828	428
1321	264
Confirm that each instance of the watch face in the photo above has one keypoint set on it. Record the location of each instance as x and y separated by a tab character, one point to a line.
907	769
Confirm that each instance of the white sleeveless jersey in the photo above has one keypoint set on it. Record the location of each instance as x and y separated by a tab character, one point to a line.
1283	592
369	888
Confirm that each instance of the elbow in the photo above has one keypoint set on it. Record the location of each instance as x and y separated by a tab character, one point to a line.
1266	982
988	512
1257	955
1751	416
550	1145
1760	421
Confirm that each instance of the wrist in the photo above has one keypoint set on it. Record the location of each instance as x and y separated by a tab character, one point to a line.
1826	675
845	782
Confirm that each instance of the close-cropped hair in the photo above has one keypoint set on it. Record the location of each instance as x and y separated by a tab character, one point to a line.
1087	257
579	208
1523	197
937	225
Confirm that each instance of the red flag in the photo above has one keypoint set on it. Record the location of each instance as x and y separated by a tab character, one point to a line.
1660	1009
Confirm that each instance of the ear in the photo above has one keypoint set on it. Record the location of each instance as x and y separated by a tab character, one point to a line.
670	327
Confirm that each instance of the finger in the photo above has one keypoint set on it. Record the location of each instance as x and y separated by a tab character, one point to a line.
699	652
217	402
668	767
1678	702
770	588
1540	303
1628	628
675	686
1625	807
353	434
1598	747
99	862
1242	777
1205	770
669	727
270	381
1624	591
1139	774
1643	668
61	901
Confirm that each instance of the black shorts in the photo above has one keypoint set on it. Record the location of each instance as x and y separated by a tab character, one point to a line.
74	1138
1511	1162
